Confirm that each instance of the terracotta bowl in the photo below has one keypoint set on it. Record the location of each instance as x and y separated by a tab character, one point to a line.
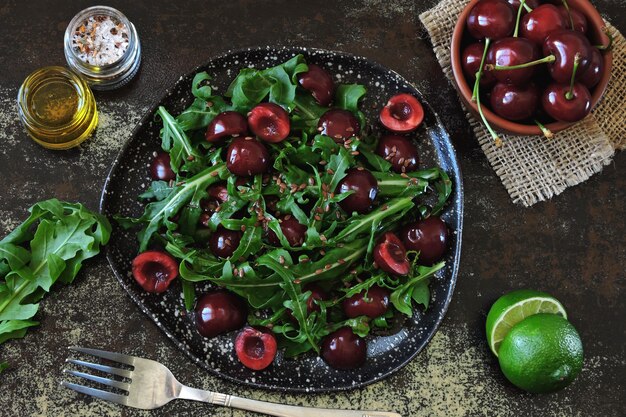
461	38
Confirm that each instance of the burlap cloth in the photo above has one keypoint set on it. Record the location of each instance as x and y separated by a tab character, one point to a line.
533	168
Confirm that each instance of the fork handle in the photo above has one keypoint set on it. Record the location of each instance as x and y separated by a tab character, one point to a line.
274	409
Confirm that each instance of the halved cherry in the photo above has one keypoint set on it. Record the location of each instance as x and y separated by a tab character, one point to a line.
224	242
402	113
344	350
292	229
160	168
256	348
269	122
228	123
154	270
390	255
319	82
371	303
339	124
218	312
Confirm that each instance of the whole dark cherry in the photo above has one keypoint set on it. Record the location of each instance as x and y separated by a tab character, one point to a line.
371	303
513	51
256	348
470	60
365	188
154	270
543	20
339	124
564	45
494	19
228	123
555	102
514	102
292	229
579	19
220	312
403	113
224	242
317	294
390	255
344	350
399	151
427	236
319	82
160	168
593	74
269	122
247	156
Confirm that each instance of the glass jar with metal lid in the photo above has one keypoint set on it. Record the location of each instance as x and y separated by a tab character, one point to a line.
103	47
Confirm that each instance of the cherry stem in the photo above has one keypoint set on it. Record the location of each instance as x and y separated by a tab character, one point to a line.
476	95
544	60
546	132
569	13
519	17
570	94
527	7
610	44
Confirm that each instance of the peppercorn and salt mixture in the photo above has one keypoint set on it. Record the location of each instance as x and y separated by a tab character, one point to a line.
100	40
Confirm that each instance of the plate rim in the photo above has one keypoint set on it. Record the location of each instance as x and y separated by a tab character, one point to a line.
458	193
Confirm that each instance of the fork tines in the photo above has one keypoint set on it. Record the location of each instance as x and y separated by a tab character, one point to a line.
94	392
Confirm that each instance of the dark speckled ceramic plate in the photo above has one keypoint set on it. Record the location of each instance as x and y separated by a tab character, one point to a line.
387	352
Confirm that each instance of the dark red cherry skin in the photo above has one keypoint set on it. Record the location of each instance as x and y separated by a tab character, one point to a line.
399	151
220	312
344	350
319	82
563	109
154	271
365	188
247	157
564	45
228	123
513	51
317	294
514	102
579	19
591	77
371	303
224	242
530	3
470	60
494	19
292	229
427	236
256	348
390	255
403	113
339	124
160	168
543	20
269	122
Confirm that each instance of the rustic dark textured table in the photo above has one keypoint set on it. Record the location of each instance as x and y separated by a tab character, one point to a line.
572	246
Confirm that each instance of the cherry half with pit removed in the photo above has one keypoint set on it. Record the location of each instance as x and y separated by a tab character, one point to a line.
154	271
403	113
224	242
493	19
160	168
343	349
219	312
371	303
319	82
256	348
399	151
427	236
339	124
269	122
247	156
390	255
225	124
365	188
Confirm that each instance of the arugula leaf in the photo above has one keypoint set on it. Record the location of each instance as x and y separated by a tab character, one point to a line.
175	141
416	288
347	96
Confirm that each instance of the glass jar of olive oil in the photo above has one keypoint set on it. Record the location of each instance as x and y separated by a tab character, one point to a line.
57	108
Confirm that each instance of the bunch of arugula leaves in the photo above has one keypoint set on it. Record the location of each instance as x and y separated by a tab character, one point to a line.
307	167
49	246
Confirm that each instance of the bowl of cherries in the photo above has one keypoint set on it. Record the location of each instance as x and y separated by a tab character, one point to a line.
530	67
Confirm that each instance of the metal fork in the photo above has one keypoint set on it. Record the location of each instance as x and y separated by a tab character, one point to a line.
152	385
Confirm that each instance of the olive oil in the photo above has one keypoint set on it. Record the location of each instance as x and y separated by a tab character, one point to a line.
57	108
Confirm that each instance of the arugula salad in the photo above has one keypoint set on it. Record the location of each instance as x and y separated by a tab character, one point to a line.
312	230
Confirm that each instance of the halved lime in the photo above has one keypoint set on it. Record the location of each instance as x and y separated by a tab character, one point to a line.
514	307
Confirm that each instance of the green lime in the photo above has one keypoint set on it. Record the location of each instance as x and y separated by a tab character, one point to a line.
542	353
514	307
